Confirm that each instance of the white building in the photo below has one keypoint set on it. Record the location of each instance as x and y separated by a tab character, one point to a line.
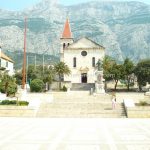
81	56
6	63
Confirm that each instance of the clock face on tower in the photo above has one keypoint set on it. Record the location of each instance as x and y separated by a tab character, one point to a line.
83	53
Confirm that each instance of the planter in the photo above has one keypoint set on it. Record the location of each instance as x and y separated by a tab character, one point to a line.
16	111
138	112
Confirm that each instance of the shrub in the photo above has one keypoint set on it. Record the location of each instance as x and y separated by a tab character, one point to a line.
2	88
7	102
64	88
36	85
8	85
143	103
23	103
11	89
14	102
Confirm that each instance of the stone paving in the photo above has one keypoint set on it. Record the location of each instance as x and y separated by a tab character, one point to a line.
74	134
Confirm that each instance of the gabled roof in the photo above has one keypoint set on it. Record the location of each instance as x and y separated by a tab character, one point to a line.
67	30
3	56
85	43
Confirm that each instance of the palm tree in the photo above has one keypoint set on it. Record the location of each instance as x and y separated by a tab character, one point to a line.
48	76
61	69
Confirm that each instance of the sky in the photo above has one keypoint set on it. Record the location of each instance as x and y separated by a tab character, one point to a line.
21	4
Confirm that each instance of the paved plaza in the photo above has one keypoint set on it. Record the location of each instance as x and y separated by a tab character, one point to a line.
74	134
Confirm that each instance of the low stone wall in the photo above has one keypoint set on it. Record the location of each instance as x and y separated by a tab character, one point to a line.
16	111
138	112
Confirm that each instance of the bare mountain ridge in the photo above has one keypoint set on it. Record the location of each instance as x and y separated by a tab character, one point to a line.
122	27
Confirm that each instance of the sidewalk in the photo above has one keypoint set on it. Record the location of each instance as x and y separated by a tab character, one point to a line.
74	134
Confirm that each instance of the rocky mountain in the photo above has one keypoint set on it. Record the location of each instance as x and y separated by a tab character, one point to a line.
122	27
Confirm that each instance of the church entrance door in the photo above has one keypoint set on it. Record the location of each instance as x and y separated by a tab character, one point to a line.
84	77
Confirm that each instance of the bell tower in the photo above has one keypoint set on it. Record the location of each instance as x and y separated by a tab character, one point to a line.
66	39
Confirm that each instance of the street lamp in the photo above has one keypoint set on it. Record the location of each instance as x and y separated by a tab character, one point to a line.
44	58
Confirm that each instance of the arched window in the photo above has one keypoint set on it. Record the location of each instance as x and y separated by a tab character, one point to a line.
93	62
64	46
74	62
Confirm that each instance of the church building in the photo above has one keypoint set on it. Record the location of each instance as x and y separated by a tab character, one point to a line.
81	56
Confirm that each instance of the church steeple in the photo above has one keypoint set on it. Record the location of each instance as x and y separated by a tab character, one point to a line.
67	31
66	39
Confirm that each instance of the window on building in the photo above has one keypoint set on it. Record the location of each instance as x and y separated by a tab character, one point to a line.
68	44
84	53
0	62
74	62
7	64
93	62
64	46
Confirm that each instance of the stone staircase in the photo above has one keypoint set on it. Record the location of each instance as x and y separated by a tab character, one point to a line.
82	86
81	104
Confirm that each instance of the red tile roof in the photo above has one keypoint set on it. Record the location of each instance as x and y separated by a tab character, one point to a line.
2	55
67	31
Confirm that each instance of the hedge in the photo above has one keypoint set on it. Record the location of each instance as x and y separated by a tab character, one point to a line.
14	102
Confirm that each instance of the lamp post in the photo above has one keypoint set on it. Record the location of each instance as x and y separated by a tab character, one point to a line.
35	61
44	58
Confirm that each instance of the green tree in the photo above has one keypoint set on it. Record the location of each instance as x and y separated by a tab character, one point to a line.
12	89
108	63
128	71
18	77
142	72
117	72
61	69
8	84
47	76
107	66
32	72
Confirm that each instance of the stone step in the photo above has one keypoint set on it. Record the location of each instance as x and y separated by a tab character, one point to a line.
68	104
82	86
81	104
82	99
81	115
79	110
76	94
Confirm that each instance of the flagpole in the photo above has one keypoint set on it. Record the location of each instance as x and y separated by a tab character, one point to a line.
24	56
